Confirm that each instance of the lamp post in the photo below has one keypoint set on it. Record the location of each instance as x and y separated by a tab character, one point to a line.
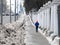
10	11
15	10
1	12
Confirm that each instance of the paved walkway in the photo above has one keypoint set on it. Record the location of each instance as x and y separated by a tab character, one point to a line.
34	38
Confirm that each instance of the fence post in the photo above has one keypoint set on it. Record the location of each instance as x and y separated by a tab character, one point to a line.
15	10
1	12
10	11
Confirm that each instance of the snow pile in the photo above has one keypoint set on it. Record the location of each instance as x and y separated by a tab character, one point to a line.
14	33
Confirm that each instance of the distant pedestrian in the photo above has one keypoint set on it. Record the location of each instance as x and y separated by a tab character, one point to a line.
36	25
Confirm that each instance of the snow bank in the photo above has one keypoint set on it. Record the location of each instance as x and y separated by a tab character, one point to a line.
14	33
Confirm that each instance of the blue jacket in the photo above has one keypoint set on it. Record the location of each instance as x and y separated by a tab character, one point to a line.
36	24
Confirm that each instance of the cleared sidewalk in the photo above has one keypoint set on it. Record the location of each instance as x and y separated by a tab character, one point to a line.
34	38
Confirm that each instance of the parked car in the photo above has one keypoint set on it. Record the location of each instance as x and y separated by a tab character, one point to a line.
7	14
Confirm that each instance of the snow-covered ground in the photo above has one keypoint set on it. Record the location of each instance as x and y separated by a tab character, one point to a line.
13	34
6	19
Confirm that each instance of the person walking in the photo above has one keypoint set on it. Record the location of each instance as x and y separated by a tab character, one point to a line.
36	25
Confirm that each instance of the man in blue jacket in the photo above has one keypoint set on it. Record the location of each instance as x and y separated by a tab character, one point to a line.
37	25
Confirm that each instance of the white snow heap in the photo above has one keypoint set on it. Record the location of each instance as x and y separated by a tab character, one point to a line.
14	33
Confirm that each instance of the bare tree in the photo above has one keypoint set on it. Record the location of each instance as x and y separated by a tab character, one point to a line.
34	4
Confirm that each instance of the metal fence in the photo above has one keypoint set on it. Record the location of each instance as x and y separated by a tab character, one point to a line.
8	17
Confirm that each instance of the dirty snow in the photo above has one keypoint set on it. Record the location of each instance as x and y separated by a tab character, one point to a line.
13	34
